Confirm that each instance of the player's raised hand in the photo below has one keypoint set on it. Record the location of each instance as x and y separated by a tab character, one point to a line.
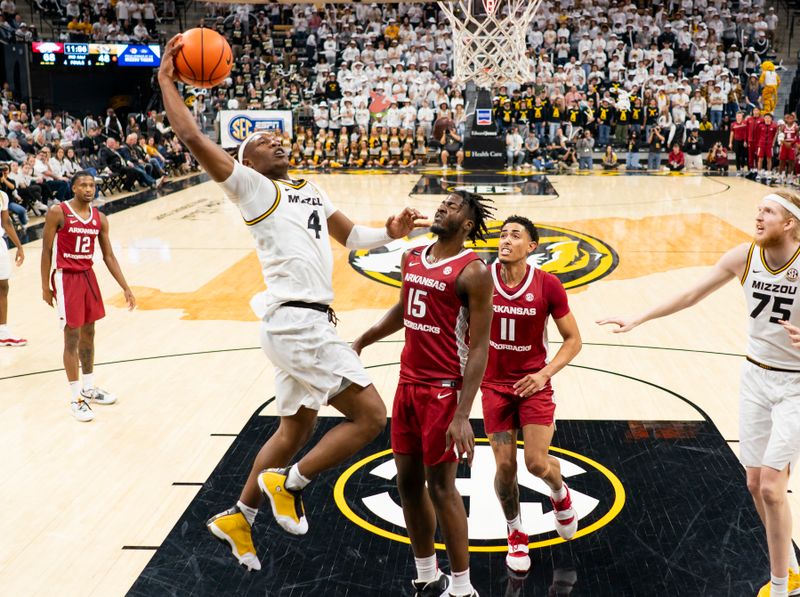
130	299
407	220
793	331
625	324
461	438
167	68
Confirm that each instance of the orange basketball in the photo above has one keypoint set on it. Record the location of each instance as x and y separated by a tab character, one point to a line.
205	58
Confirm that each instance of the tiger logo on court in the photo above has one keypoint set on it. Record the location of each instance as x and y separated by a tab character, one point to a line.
574	257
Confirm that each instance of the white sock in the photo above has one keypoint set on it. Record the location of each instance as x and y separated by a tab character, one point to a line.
461	584
426	568
793	559
779	587
249	513
75	390
88	382
560	494
295	481
515	524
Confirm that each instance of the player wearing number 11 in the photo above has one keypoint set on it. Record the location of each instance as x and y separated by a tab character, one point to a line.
769	396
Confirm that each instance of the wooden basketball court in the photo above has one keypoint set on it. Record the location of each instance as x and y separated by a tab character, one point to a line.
87	506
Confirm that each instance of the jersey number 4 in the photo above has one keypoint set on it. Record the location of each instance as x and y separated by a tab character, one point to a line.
779	302
313	223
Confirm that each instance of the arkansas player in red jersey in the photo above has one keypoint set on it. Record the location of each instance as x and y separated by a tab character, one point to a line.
752	123
517	394
738	142
446	309
766	132
788	149
74	226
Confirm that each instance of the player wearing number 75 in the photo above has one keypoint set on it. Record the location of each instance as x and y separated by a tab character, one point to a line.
290	221
769	398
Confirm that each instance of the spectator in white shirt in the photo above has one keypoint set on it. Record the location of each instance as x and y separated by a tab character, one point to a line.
514	153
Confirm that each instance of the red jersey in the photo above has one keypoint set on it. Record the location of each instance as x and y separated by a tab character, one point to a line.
765	134
739	130
752	124
75	241
518	341
790	134
436	321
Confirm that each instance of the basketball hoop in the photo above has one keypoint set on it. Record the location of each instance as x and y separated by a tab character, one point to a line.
490	50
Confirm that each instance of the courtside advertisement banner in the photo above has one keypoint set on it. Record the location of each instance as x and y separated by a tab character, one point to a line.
236	125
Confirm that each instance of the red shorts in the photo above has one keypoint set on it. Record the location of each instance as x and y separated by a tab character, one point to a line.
787	153
504	411
763	150
77	297
420	417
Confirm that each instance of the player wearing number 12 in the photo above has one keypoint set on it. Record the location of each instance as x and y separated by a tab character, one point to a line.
290	221
74	226
769	396
517	395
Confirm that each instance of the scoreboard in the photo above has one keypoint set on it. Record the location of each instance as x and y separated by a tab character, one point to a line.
47	53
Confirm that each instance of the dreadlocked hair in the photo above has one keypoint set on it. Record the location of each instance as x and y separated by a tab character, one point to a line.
480	212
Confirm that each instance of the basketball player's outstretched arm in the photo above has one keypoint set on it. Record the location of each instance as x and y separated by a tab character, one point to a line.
111	262
355	236
731	265
387	325
476	286
52	222
211	156
5	222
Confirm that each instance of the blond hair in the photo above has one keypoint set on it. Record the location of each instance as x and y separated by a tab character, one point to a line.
794	199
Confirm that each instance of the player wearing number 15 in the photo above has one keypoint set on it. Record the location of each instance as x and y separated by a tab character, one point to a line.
290	221
74	226
517	395
445	307
769	396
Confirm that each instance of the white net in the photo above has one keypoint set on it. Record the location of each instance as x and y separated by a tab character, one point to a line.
490	50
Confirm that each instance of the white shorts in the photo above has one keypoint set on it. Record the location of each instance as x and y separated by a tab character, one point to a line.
769	417
312	364
5	260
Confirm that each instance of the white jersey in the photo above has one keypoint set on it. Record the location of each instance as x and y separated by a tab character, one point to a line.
772	295
288	220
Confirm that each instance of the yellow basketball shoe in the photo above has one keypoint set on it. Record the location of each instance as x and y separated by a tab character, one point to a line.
232	528
287	506
794	585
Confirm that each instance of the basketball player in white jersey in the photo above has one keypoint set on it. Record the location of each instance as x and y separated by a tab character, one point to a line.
290	221
769	418
6	227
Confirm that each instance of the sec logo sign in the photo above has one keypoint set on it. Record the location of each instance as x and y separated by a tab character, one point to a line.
366	495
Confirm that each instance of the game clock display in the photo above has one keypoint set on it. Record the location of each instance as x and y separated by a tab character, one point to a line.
46	53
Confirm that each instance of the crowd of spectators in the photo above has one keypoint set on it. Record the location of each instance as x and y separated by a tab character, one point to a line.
367	81
40	150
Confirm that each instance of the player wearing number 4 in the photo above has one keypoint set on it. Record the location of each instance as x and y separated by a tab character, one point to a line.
291	221
73	227
769	398
517	394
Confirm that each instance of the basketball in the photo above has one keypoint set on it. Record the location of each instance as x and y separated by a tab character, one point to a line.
440	126
205	59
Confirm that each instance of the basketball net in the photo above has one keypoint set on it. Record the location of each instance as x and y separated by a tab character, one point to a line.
490	50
